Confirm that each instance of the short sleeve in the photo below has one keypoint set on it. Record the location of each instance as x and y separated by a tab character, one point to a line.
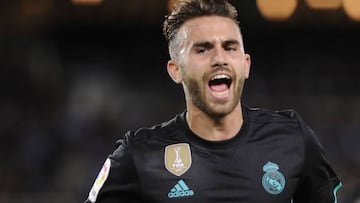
117	180
319	181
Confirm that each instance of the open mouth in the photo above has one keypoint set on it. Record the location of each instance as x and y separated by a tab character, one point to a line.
220	83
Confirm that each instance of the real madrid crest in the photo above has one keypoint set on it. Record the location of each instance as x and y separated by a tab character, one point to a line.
177	158
273	180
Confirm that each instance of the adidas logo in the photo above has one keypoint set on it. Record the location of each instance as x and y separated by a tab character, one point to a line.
180	190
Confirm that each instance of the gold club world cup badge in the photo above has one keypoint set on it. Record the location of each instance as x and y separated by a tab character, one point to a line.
177	158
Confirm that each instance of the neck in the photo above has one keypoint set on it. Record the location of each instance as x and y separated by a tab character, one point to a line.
215	129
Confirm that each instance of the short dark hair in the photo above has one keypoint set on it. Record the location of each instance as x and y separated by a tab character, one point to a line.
187	9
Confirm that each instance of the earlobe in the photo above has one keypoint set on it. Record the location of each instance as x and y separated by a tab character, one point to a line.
174	71
247	65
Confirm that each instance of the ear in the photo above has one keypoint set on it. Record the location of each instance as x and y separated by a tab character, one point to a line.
174	71
247	65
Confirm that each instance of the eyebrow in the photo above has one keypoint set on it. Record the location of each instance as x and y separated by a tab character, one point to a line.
208	44
230	42
205	44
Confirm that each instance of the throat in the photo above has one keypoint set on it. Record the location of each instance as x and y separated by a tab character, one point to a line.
214	130
220	135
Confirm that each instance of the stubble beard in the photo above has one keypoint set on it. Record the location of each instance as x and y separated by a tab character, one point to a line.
198	98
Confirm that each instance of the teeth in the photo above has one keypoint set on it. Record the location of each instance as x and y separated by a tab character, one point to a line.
222	76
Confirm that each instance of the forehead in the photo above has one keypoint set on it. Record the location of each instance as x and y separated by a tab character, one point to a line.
209	28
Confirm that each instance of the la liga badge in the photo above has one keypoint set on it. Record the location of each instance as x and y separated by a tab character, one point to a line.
100	180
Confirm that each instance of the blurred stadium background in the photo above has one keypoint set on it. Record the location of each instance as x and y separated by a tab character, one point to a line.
75	75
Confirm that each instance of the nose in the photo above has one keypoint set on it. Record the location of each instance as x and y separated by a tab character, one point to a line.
219	58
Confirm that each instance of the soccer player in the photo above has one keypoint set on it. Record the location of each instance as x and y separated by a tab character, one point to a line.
217	150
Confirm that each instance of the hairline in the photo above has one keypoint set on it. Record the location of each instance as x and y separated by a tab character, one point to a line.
174	43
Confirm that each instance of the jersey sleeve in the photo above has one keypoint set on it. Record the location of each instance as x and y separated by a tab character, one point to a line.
117	180
319	181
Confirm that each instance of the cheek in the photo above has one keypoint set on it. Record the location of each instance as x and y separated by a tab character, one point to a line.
242	69
194	69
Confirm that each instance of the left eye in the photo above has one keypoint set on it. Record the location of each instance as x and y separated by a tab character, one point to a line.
230	49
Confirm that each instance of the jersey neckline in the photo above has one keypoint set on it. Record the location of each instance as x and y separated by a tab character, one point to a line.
217	144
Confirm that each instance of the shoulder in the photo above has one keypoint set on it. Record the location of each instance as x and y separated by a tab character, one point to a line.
146	139
163	130
287	122
268	115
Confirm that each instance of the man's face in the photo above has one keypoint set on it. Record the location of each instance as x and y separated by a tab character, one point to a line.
212	63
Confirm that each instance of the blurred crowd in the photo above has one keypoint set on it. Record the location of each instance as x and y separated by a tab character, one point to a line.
68	93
